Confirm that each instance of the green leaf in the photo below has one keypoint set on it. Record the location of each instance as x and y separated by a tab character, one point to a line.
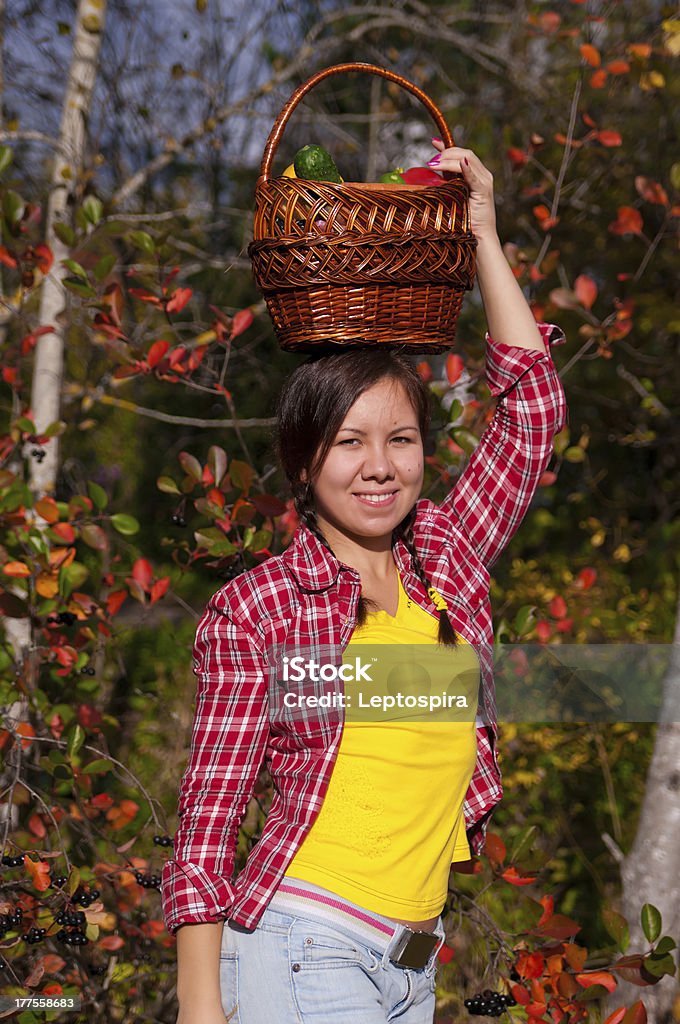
93	209
73	881
24	424
167	485
94	537
55	429
574	454
650	919
79	288
75	740
6	157
217	460
191	466
664	945
97	767
13	207
465	438
143	241
241	474
617	927
64	233
104	266
72	576
455	410
675	176
76	269
98	494
122	971
258	540
215	541
659	966
125	524
525	619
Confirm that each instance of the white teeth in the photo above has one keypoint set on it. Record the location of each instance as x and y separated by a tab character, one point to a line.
376	499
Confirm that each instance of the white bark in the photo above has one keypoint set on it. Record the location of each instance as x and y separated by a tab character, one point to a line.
651	871
68	163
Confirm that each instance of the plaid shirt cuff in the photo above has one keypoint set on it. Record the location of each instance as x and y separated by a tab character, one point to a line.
192	895
505	364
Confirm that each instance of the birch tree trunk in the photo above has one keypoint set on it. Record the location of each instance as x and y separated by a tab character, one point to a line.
68	163
49	356
651	870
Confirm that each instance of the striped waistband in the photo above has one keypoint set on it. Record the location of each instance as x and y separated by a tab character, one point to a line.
304	899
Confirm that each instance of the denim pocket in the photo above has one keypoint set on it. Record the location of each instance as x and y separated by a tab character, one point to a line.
229	985
329	972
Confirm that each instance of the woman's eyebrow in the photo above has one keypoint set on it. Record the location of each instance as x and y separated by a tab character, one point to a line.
356	430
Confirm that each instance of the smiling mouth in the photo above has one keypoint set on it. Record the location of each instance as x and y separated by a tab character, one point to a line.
376	499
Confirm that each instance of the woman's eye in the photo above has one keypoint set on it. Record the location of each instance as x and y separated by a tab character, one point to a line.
349	441
406	440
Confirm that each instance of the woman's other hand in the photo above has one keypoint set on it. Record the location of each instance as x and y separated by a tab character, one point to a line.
480	181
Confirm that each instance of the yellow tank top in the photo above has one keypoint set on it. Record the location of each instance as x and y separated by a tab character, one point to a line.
391	822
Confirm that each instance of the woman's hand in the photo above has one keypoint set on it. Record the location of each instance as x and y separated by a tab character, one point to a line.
480	182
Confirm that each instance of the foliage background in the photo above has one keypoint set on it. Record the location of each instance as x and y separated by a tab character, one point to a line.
574	108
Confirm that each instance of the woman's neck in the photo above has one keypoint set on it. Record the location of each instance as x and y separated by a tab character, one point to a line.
372	557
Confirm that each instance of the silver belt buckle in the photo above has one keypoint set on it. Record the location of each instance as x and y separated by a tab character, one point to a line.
414	949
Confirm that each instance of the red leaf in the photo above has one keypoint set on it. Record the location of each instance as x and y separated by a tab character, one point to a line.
454	367
560	927
517	157
558	607
530	965
40	873
268	505
156	352
494	848
651	190
43	258
65	532
543	630
513	876
586	578
159	588
598	79
176	356
7	258
520	994
445	954
591	55
141	293
547	478
196	357
585	290
548	904
608	137
628	222
179	299
603	978
635	1014
111	943
241	322
617	1016
37	826
425	371
421	176
618	67
142	572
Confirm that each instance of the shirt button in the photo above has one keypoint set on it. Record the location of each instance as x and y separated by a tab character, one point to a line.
296	967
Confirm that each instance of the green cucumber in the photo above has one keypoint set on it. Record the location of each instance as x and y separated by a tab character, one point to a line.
316	164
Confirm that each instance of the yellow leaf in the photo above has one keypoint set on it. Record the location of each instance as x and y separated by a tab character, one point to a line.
205	338
652	80
47	585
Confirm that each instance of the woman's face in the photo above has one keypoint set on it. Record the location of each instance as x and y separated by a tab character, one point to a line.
373	473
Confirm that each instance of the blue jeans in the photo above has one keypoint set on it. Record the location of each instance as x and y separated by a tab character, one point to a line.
299	969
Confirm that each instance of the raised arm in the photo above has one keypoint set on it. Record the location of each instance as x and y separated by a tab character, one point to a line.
493	493
229	738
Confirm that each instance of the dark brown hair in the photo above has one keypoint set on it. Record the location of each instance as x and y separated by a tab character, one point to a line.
311	409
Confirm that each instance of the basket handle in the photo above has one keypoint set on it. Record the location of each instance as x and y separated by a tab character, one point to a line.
338	69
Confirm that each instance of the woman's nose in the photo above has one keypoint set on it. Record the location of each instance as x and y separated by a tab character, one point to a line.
378	464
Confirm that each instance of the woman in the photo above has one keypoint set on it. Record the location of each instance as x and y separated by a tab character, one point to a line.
336	915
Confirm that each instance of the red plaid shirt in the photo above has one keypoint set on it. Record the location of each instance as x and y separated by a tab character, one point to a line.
305	597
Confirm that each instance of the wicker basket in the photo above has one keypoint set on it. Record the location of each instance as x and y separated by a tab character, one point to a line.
361	264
